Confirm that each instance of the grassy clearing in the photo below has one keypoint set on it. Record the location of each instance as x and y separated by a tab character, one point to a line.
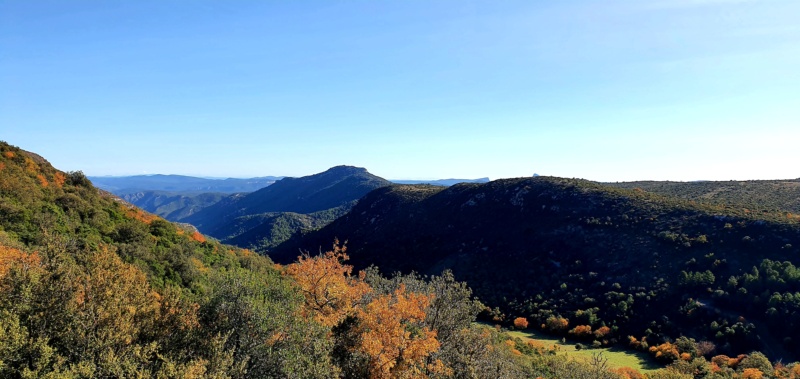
617	357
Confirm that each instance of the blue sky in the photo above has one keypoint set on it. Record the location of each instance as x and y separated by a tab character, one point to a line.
604	90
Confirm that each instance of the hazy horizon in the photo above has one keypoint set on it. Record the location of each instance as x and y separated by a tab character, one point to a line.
680	90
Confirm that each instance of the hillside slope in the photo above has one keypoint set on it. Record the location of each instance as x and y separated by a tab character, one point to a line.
321	196
643	264
173	206
758	196
92	287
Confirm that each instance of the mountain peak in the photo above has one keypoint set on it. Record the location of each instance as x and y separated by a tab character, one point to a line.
345	170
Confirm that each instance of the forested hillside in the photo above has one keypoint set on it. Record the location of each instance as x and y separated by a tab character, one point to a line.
91	287
172	206
576	256
754	196
269	216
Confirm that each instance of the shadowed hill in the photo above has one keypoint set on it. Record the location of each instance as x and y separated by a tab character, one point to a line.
172	206
539	247
322	196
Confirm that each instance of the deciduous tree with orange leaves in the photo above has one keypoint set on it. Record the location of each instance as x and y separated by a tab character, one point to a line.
330	291
394	338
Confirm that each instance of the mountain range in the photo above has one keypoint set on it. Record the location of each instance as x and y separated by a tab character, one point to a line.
644	261
179	184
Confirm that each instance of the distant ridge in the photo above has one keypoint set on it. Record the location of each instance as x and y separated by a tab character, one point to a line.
442	182
179	183
290	204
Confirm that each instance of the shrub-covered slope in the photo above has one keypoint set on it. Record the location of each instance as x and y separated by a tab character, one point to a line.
173	206
640	263
765	197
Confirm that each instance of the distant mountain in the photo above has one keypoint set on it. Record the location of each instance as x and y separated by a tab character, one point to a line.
173	206
179	183
641	263
442	182
250	219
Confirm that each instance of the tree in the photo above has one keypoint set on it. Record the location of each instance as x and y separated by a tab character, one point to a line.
521	323
330	292
394	338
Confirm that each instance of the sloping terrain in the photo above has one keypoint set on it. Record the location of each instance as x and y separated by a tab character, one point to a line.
758	196
173	206
250	219
640	263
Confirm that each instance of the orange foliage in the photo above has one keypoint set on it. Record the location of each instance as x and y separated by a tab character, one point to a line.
752	373
628	373
393	338
42	180
330	292
521	323
602	332
734	362
59	179
720	360
8	154
665	351
581	331
686	356
633	342
198	237
10	256
2	166
138	214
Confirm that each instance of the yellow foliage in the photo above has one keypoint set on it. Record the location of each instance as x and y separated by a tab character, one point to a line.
31	166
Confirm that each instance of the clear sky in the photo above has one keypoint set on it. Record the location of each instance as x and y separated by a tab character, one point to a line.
605	90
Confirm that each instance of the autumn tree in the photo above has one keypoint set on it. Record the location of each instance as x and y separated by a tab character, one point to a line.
394	338
521	323
329	289
556	324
